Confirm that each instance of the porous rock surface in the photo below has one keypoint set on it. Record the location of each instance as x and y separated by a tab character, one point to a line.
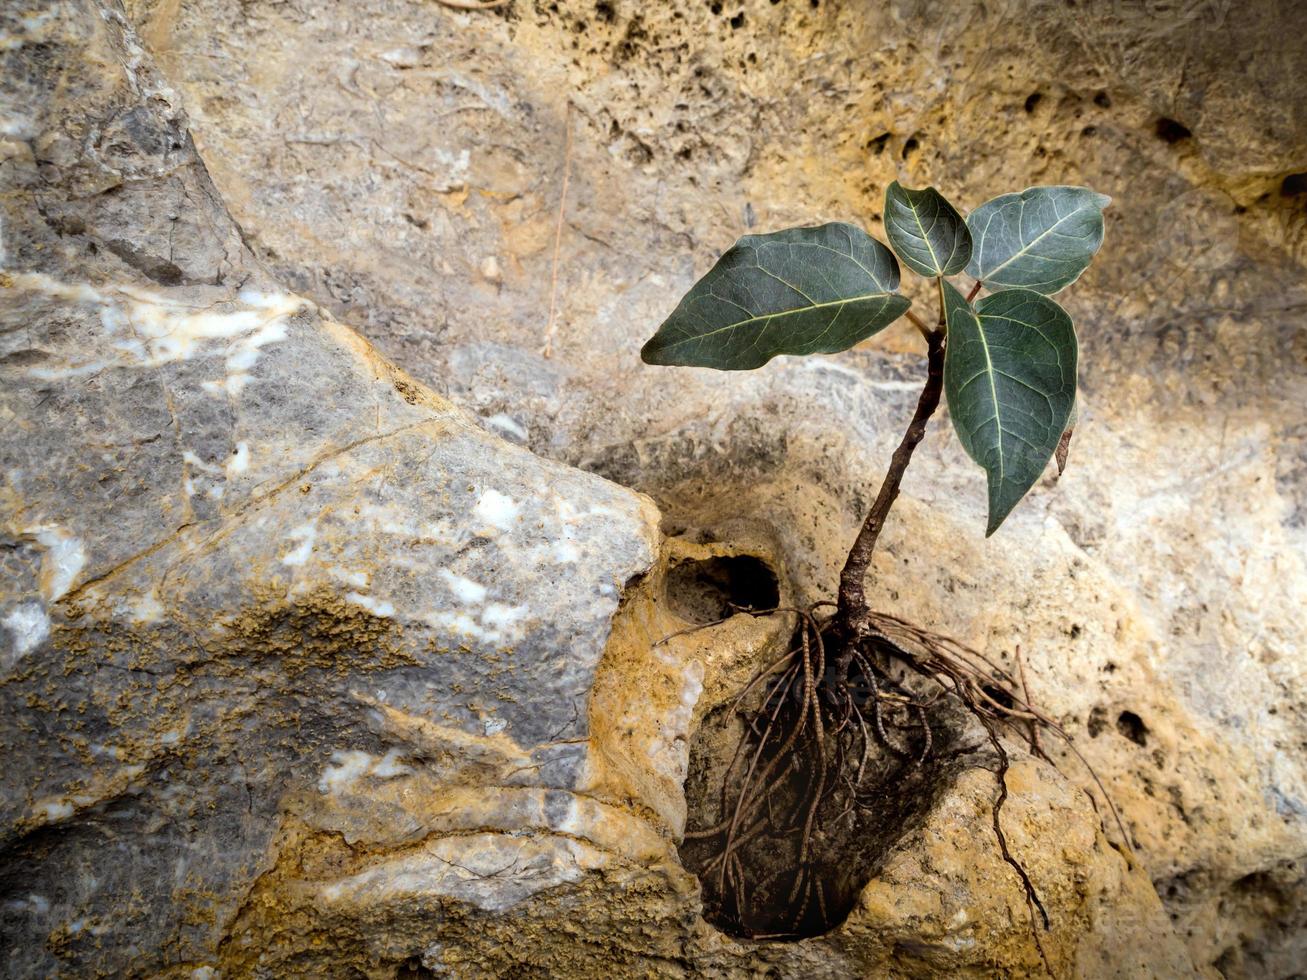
306	673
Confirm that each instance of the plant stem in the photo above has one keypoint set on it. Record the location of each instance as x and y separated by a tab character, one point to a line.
920	324
853	612
974	289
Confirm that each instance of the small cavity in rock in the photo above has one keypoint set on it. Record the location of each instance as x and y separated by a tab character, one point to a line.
1293	185
1170	131
1132	727
711	589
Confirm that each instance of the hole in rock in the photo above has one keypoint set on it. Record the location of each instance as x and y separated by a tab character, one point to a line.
1132	727
704	591
1294	185
1097	723
412	969
1033	100
877	143
761	891
998	696
1170	131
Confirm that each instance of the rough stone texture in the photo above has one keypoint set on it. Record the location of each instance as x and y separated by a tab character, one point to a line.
248	654
403	165
261	588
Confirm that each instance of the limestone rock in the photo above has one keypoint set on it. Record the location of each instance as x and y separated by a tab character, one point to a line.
375	159
308	672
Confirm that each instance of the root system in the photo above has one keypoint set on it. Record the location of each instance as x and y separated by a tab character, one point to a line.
832	765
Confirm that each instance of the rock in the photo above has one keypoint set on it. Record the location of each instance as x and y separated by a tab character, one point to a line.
945	894
262	589
311	674
1159	580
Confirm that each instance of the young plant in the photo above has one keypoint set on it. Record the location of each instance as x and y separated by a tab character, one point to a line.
1007	366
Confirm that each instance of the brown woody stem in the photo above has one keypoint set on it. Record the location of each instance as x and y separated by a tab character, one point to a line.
853	611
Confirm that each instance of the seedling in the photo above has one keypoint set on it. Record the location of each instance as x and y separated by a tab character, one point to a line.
1007	366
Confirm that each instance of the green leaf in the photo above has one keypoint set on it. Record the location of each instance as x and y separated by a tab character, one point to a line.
1040	239
925	231
1010	379
802	291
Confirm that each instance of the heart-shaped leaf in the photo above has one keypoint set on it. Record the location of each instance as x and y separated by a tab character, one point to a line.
1040	239
925	231
801	291
1010	379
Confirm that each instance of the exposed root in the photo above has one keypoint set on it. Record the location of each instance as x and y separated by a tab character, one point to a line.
1032	896
838	746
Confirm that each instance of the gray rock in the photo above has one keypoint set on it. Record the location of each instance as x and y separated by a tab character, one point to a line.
254	574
